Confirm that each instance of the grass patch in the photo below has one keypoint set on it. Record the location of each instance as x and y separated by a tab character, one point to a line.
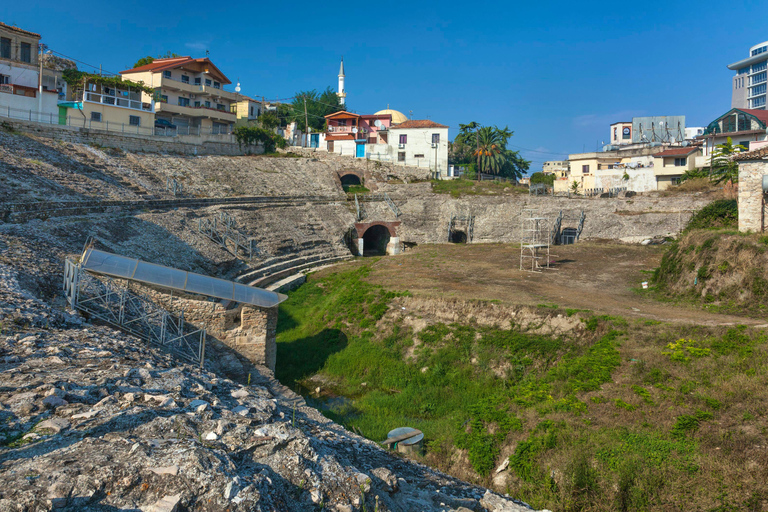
462	187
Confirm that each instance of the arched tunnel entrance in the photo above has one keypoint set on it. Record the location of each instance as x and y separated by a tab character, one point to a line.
375	240
349	180
458	237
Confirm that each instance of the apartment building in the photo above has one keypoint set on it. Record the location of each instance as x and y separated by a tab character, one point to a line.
749	84
103	103
189	93
19	76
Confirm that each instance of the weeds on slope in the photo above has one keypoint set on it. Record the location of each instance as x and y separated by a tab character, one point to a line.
622	416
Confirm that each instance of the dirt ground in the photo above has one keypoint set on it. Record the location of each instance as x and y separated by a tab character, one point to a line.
604	277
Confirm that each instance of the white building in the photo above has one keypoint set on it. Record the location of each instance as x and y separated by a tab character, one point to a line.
19	78
421	143
749	84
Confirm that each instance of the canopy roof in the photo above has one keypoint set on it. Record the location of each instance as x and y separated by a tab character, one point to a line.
114	265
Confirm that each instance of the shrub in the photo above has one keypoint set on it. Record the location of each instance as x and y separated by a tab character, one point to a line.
723	213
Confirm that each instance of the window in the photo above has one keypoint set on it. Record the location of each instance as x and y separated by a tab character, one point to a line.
164	98
401	156
25	52
744	143
167	74
758	102
251	111
435	138
216	85
403	139
219	106
96	116
207	104
758	51
729	124
681	162
744	123
757	90
418	156
197	81
585	169
183	102
342	122
197	104
185	79
743	71
5	48
134	120
5	79
758	78
760	67
208	82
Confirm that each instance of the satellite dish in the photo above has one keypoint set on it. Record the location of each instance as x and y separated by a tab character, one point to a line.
377	123
354	130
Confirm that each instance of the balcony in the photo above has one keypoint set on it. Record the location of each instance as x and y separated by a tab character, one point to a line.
114	101
20	90
176	85
203	112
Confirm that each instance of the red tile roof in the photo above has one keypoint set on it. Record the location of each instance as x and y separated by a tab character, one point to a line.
342	114
418	123
684	151
17	29
159	65
340	136
758	154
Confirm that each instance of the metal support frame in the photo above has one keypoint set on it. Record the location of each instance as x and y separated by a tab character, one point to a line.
392	205
173	186
557	237
223	231
111	301
534	241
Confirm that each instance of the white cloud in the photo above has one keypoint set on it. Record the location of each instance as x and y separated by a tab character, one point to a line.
200	46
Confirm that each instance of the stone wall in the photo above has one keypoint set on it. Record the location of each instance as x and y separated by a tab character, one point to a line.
751	197
250	330
381	171
131	142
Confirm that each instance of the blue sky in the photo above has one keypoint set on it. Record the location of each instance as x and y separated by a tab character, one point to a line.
557	73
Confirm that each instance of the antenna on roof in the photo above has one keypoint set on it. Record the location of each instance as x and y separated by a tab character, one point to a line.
207	52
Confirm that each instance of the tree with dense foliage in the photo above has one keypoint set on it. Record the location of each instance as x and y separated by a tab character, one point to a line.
724	168
251	135
318	105
486	146
144	61
540	177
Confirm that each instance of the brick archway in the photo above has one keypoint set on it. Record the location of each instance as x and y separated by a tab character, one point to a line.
362	227
393	245
360	174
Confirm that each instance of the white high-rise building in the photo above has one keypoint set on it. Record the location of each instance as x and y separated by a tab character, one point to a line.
342	93
749	84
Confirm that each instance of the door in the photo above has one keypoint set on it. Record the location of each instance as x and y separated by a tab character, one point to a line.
360	151
314	140
62	115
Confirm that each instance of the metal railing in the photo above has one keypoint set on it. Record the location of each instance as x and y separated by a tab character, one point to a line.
81	121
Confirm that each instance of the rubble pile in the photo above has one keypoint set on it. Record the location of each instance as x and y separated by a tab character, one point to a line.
93	419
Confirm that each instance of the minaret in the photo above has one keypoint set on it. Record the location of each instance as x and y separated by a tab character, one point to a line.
342	94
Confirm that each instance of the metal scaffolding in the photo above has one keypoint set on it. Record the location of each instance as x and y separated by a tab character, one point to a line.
111	301
535	236
223	231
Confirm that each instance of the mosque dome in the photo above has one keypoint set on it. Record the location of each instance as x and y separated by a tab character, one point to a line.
397	117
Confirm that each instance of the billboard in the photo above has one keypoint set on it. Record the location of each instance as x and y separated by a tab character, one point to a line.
658	129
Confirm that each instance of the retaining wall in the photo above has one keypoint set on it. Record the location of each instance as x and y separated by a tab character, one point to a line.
751	196
196	145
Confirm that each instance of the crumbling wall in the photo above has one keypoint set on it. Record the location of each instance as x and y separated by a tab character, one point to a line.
751	197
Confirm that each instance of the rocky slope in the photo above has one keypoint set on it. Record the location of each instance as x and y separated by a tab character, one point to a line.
92	419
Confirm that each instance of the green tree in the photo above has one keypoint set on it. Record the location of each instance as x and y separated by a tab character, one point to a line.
486	147
540	177
490	150
144	61
269	120
318	105
724	168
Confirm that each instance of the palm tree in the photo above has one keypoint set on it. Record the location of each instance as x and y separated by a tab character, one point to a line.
491	149
723	167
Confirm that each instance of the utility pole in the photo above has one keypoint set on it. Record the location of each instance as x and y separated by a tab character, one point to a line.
40	86
477	138
306	122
